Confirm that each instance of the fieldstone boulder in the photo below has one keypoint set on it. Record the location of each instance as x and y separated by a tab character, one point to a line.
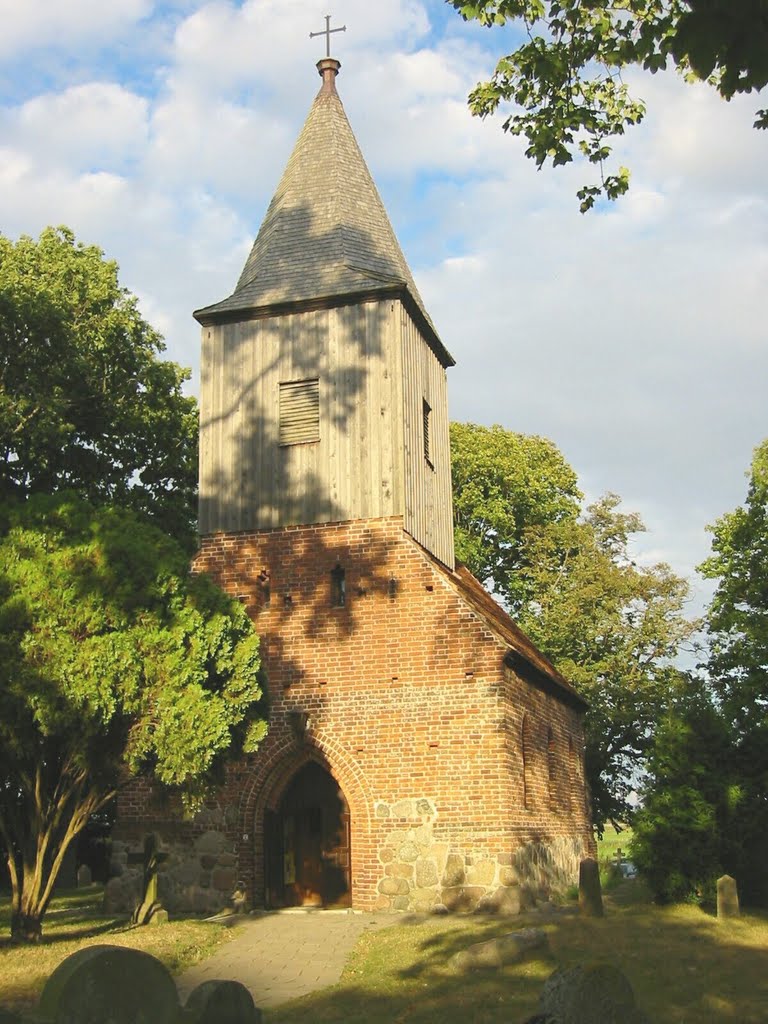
506	949
590	994
221	1002
109	983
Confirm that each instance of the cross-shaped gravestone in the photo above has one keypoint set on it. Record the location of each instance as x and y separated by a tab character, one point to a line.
151	858
327	33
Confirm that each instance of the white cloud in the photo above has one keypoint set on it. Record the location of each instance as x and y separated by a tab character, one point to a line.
95	125
35	24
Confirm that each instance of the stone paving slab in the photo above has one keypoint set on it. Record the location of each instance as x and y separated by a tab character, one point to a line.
285	954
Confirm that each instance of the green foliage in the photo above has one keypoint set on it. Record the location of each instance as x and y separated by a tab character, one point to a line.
114	659
677	841
738	616
706	802
503	484
565	77
85	403
566	574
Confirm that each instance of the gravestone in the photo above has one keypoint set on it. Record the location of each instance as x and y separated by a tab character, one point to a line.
727	897
149	906
590	893
590	994
221	1002
109	983
84	877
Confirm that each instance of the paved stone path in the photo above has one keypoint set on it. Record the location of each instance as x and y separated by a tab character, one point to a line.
282	955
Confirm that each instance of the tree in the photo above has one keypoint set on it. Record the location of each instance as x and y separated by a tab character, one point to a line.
114	661
688	802
565	77
611	627
737	622
503	484
706	797
737	666
85	402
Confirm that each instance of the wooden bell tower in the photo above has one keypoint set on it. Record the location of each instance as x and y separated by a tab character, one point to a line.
323	390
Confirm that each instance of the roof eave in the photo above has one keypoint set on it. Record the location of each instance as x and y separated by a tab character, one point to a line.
222	313
532	674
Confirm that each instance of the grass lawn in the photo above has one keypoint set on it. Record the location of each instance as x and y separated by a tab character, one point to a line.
685	967
75	920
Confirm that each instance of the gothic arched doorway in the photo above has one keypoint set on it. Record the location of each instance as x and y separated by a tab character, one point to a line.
307	854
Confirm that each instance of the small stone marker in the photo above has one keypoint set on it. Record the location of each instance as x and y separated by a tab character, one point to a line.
221	1002
109	983
151	859
590	893
84	877
590	994
727	897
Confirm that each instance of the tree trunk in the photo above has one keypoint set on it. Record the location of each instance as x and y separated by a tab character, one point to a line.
26	927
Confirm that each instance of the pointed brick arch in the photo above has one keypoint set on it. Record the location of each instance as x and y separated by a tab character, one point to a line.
273	772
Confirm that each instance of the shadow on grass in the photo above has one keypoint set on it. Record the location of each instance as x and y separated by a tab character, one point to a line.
683	965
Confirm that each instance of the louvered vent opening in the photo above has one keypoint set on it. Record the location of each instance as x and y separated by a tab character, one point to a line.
425	414
299	411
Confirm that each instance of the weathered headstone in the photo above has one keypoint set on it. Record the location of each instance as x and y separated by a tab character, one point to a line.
590	994
727	897
221	1002
109	983
84	877
149	905
590	893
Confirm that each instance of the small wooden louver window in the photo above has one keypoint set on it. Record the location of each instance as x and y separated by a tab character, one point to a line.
425	414
299	411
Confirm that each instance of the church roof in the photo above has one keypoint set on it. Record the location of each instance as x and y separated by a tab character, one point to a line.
523	655
326	235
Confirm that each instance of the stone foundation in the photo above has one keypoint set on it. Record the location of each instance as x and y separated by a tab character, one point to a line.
198	876
422	873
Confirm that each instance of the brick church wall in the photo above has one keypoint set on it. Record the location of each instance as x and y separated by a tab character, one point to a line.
406	696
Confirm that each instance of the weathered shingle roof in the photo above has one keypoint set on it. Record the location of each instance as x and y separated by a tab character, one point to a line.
326	234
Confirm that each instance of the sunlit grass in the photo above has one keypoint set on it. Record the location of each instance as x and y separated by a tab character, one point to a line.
685	967
75	920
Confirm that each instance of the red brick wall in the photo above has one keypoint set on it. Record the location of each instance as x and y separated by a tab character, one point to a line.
410	706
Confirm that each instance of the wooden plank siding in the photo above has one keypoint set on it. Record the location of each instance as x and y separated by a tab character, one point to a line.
355	471
428	496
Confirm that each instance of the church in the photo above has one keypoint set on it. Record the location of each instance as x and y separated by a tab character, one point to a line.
422	754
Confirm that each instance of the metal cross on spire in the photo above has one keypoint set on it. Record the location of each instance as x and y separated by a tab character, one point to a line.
327	33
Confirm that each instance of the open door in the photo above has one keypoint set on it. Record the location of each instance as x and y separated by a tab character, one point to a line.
307	849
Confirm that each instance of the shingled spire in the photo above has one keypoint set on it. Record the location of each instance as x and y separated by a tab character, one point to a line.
326	234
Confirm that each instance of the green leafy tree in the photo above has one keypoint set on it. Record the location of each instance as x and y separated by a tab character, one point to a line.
85	402
503	484
613	628
737	667
689	802
114	661
737	622
565	77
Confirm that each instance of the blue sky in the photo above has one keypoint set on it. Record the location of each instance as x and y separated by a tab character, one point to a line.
634	338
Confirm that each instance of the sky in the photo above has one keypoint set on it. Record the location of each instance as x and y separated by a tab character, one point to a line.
634	336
